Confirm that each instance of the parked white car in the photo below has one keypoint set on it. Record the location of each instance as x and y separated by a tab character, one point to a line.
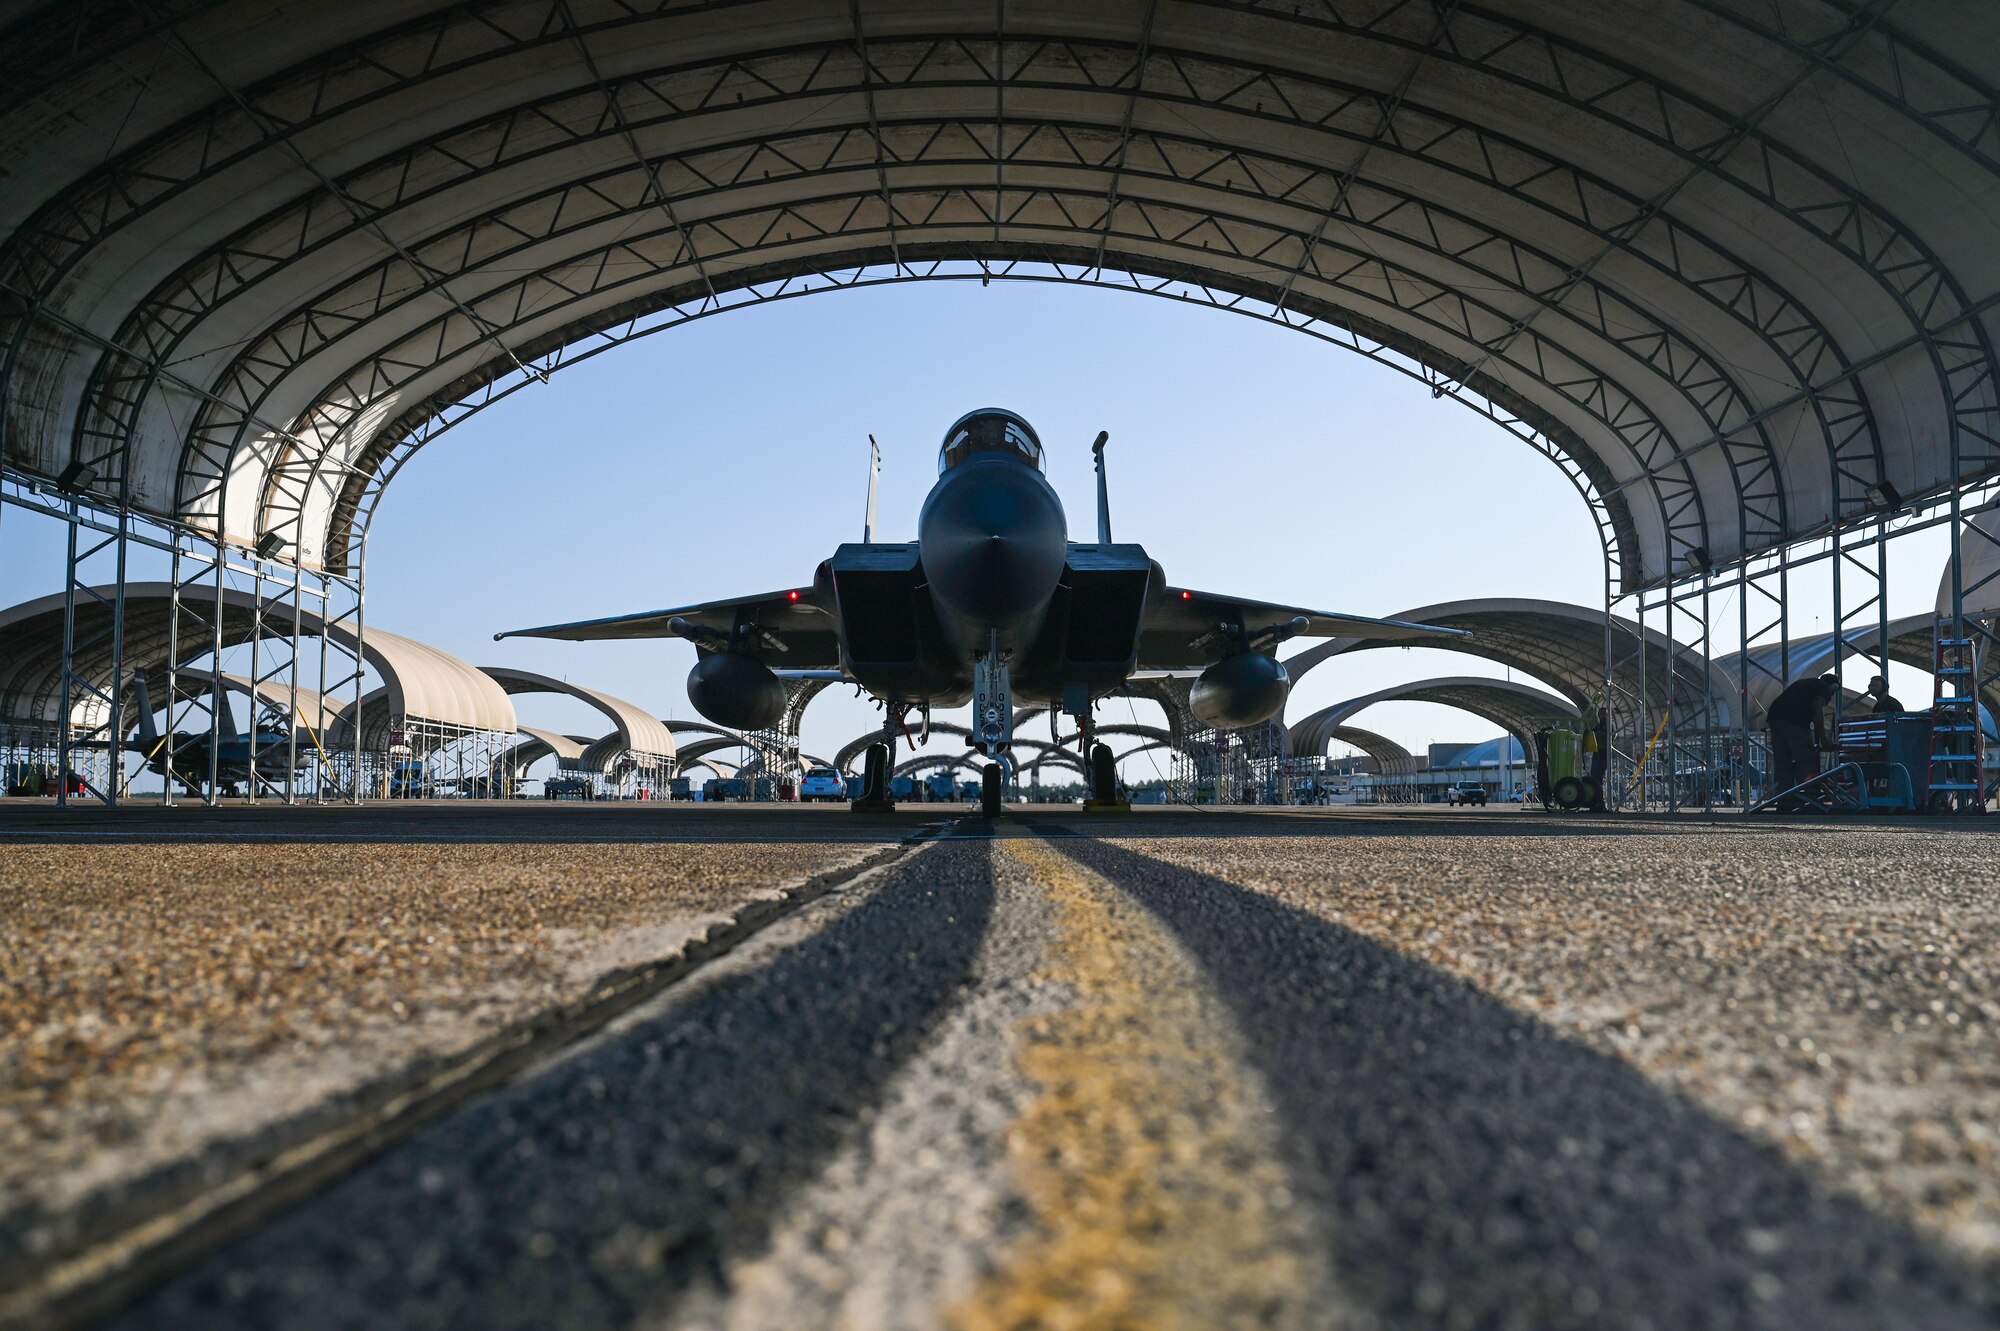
822	783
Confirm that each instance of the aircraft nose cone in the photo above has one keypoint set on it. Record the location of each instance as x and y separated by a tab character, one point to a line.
993	541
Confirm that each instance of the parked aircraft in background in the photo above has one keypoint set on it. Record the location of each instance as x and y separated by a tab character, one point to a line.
226	758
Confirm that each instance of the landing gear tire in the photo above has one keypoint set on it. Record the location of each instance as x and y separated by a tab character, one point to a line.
874	780
1103	774
989	791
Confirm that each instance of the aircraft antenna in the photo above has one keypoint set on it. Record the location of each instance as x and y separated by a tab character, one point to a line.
1103	491
874	479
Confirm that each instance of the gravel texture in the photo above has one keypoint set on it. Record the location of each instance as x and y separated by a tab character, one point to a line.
1833	993
638	1170
1481	1167
159	999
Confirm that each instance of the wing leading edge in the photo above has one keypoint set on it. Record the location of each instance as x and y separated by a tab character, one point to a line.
1189	628
786	628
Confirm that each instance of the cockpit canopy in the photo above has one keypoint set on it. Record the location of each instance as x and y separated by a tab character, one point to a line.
989	430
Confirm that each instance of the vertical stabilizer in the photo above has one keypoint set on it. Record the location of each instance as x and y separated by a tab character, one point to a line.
874	480
1103	490
225	716
142	708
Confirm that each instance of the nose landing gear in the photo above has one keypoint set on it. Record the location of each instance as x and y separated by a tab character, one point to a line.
992	725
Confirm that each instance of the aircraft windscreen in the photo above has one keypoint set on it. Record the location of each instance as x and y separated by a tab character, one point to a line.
989	432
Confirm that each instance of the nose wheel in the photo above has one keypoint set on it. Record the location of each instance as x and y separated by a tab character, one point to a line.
991	784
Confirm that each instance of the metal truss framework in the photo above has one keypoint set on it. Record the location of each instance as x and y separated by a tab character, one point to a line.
100	684
1705	139
1697	760
777	749
1132	160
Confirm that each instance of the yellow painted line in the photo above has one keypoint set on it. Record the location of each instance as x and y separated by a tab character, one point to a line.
1147	1156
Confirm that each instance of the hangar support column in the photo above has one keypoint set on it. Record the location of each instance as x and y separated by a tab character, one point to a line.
94	543
194	628
102	683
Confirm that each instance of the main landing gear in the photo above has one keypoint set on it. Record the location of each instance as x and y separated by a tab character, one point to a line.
1101	766
874	782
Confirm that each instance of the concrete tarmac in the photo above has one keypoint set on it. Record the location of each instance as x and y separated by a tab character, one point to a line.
1274	1069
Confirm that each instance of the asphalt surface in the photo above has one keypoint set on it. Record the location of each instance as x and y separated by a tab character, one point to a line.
1272	1070
174	1009
539	822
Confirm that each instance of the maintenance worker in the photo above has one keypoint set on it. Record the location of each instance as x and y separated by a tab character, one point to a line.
1797	718
1885	701
1597	747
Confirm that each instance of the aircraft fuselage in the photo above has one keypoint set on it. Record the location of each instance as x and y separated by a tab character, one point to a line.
992	571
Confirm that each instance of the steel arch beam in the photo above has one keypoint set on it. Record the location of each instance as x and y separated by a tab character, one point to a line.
1482	38
183	295
224	441
1415	224
368	478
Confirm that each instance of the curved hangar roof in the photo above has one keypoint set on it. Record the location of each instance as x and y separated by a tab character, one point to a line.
1560	643
419	682
636	730
1515	708
1733	267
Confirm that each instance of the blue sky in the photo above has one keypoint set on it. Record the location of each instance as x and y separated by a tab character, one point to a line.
729	456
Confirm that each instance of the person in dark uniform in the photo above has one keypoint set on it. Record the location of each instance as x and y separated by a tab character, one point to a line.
1798	729
1597	748
1885	701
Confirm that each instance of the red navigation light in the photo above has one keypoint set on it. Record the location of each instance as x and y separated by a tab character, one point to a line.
1187	596
791	596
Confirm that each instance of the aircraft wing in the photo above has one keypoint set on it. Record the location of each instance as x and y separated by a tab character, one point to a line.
783	629
1190	629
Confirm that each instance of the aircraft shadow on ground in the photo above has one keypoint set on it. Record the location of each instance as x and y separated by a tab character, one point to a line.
1479	1169
1220	822
626	1175
1438	821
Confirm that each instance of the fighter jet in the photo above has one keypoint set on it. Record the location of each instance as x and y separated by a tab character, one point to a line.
267	747
992	604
